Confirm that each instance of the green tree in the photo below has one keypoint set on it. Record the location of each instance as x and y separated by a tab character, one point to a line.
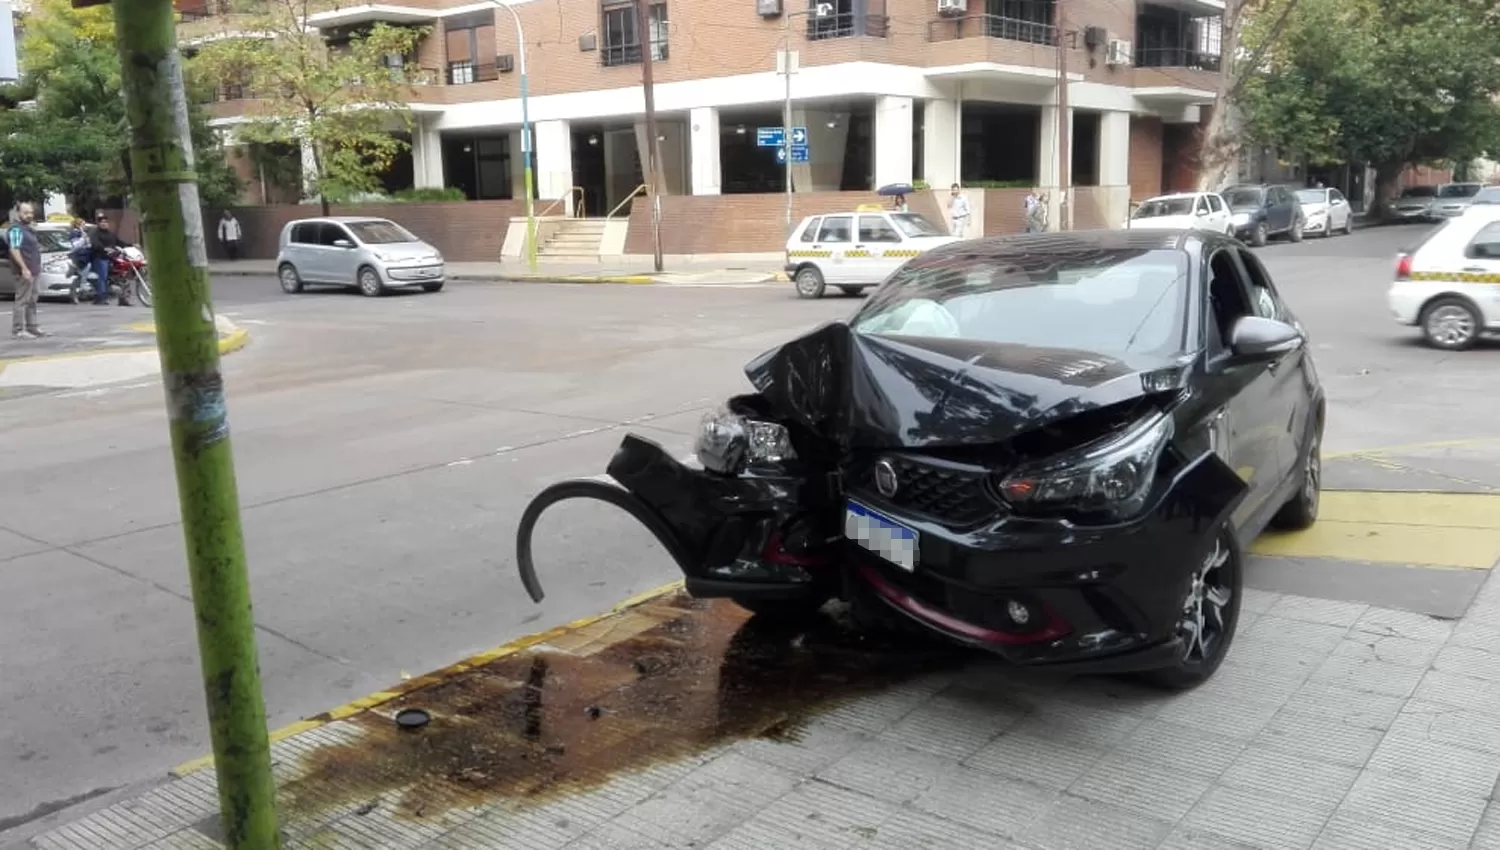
342	93
1390	83
72	137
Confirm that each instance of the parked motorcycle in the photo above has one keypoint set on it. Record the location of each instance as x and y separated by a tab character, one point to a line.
128	278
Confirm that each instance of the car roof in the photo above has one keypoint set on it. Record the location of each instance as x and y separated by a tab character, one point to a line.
1176	195
1073	242
339	219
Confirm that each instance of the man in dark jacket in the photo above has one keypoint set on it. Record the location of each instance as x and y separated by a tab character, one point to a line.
101	242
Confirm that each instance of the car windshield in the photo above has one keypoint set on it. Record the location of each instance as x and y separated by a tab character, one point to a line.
1242	198
1106	301
913	225
1458	190
1158	207
1488	195
1418	192
380	232
1312	196
53	241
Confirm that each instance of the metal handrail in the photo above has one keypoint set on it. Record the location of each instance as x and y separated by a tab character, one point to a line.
628	198
578	211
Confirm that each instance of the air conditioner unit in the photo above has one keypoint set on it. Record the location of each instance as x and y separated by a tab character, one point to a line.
588	41
952	7
822	10
768	8
505	63
1119	53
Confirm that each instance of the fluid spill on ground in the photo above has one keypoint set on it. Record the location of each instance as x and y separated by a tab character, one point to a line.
690	674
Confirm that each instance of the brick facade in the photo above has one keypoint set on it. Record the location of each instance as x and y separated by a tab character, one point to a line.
1145	157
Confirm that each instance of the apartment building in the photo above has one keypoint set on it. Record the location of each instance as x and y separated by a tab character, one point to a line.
888	90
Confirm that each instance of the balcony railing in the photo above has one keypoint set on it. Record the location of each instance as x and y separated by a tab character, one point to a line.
612	55
1177	57
464	73
1029	31
844	25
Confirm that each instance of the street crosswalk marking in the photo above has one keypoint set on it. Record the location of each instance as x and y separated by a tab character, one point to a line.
1443	530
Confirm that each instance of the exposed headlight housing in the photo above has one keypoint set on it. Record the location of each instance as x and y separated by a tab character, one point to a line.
729	442
1111	476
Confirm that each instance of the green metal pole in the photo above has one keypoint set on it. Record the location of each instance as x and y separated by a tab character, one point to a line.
166	187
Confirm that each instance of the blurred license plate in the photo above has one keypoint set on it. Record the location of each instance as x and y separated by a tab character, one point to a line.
882	535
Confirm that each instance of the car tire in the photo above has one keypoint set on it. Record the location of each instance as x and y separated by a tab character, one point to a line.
1349	224
809	282
783	610
1451	323
432	287
1260	236
1301	511
851	290
1295	234
1211	607
369	282
291	282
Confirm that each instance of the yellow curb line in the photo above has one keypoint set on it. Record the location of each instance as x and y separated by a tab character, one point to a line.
228	343
1437	444
438	676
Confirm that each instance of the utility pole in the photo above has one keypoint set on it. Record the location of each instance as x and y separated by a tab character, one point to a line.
166	189
786	113
526	142
1064	158
653	142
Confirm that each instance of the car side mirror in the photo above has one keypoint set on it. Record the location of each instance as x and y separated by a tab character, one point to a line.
1201	213
1255	339
342	243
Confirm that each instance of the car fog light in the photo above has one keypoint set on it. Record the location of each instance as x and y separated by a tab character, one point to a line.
1018	612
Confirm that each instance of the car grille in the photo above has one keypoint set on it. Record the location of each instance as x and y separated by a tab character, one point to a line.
944	491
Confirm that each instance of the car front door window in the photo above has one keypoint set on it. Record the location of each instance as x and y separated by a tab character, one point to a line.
836	236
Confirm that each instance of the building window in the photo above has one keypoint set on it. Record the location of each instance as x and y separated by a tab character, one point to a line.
1021	20
842	18
622	40
470	43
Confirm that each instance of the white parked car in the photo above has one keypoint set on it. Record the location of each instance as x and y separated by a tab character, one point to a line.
1446	283
1327	211
373	254
1182	211
858	250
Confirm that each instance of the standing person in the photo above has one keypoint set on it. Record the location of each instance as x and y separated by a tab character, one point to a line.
899	204
79	253
958	212
26	259
1028	210
229	235
103	242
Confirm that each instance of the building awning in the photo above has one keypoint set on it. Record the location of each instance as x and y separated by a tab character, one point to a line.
371	12
997	72
1173	95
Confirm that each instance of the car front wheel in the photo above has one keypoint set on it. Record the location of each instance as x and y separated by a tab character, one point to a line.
1260	235
291	282
369	283
809	282
1451	324
1210	613
1295	234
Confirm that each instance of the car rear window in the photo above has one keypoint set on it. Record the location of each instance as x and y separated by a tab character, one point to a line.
1160	207
1459	190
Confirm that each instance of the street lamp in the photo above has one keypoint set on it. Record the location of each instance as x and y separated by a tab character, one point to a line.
525	138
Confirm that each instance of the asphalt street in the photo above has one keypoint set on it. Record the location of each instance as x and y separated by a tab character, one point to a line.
385	449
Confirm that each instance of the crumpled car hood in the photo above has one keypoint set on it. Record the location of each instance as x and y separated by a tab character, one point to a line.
869	391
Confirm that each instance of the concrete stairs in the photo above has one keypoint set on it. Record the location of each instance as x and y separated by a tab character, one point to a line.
574	238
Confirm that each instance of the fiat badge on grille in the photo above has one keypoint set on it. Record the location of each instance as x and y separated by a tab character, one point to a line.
885	478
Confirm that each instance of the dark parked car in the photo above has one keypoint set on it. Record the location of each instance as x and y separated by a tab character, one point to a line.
1050	446
1261	212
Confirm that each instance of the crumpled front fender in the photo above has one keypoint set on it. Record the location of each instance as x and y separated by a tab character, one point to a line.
715	527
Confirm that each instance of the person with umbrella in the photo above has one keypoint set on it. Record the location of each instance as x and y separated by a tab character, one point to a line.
897	192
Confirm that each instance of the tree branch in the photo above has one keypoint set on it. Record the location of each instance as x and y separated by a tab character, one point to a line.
1270	38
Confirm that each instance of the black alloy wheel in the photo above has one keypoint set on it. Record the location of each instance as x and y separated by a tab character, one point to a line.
1210	613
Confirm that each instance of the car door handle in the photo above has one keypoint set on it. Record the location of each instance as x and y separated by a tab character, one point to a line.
1475	269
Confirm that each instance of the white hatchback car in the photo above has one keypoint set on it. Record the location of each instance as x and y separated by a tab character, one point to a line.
1446	283
1327	210
373	254
858	250
1182	211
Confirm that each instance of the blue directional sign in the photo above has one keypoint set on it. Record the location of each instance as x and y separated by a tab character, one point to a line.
799	136
799	154
770	137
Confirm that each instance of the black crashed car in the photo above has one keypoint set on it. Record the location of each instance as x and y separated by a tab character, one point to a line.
1051	446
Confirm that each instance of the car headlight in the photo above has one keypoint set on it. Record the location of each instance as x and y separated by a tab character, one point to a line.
1112	475
58	266
1240	218
728	442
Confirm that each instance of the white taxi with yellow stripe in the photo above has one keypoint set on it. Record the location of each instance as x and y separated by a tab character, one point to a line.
1448	284
856	250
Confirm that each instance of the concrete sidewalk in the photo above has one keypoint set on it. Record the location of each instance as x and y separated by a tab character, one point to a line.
88	346
670	723
694	270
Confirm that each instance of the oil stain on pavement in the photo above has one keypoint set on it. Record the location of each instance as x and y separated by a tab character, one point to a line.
662	682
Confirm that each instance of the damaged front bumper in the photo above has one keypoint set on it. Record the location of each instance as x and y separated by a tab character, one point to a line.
1036	592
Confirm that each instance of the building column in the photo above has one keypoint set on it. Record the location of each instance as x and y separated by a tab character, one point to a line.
554	161
1114	165
1048	179
517	165
704	151
893	131
427	156
941	131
